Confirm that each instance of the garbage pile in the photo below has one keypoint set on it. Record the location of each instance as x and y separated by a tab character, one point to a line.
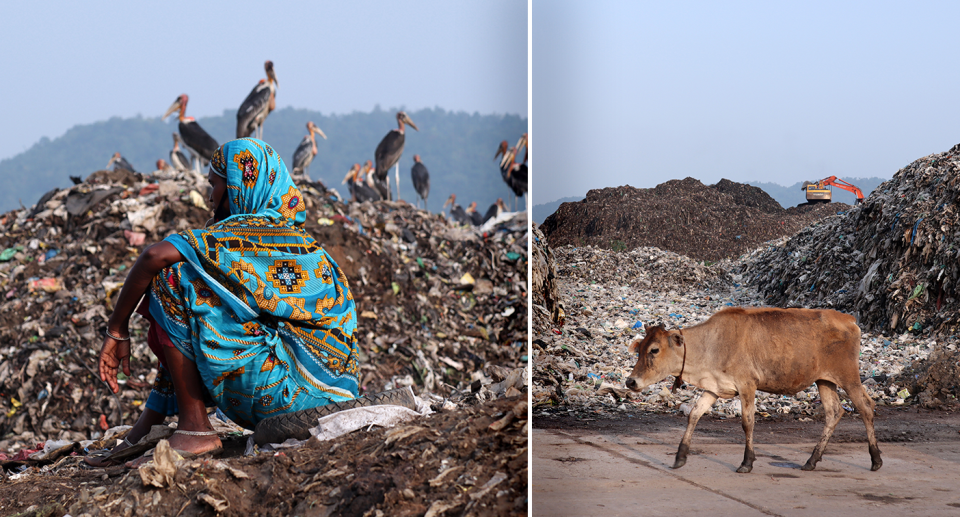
546	298
441	308
580	367
707	223
466	462
645	268
892	261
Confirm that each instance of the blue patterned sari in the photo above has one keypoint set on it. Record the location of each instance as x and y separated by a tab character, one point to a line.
257	304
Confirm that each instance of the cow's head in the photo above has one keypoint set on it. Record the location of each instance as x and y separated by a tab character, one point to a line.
659	354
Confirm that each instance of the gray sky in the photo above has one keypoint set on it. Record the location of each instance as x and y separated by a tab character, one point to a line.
68	63
642	92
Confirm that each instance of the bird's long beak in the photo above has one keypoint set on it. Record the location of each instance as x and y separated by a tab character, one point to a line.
112	159
350	175
522	142
407	121
508	159
173	107
505	159
315	129
448	202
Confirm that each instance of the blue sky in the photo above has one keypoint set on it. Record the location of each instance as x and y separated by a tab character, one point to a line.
68	63
642	92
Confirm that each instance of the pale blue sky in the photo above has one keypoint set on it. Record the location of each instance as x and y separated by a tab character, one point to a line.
642	92
67	63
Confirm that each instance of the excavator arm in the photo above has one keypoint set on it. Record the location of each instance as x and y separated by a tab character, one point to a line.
839	183
818	192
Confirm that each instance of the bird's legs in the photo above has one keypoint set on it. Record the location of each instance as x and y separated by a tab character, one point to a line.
397	171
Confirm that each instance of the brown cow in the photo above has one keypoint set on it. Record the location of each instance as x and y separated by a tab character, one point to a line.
738	351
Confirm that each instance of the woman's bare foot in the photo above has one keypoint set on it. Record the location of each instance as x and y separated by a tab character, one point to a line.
185	444
196	444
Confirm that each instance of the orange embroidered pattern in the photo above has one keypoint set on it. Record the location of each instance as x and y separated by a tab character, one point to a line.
249	168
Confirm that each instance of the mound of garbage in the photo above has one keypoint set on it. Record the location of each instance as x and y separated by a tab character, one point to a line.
579	367
442	308
546	299
707	223
892	261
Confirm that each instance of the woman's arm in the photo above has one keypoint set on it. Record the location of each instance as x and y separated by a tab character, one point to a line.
150	262
115	352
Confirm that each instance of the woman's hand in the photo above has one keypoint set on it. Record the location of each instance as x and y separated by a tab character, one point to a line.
113	354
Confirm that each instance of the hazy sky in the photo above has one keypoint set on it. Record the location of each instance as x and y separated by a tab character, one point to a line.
642	92
67	63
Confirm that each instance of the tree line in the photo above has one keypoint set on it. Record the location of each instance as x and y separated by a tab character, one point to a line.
456	147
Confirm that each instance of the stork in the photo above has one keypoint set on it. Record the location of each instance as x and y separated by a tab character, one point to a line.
475	218
178	160
350	179
388	154
197	141
359	189
163	166
258	104
305	152
456	211
495	210
513	174
421	180
119	162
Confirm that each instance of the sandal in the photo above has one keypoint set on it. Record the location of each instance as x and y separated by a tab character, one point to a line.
111	458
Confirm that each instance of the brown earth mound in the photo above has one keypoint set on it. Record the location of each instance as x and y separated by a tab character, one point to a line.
684	216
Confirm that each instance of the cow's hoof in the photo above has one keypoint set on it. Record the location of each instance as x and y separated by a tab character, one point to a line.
744	469
875	460
679	463
808	466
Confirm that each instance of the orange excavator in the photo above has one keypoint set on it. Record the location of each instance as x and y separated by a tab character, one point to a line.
820	192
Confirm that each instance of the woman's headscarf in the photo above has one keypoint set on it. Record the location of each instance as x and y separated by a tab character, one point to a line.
258	181
260	298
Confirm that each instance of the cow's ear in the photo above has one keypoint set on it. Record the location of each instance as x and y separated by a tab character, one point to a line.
634	347
677	339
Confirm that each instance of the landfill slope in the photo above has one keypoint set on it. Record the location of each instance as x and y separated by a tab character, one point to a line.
441	308
546	298
893	260
684	216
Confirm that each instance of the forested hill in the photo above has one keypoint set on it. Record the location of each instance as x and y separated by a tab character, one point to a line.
457	148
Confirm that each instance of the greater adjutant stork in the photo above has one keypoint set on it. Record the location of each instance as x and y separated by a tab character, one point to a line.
495	209
305	152
388	154
255	108
178	160
456	211
475	218
359	190
198	142
421	180
119	162
513	174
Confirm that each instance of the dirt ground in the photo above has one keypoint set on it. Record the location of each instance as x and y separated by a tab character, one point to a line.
621	466
893	424
449	462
